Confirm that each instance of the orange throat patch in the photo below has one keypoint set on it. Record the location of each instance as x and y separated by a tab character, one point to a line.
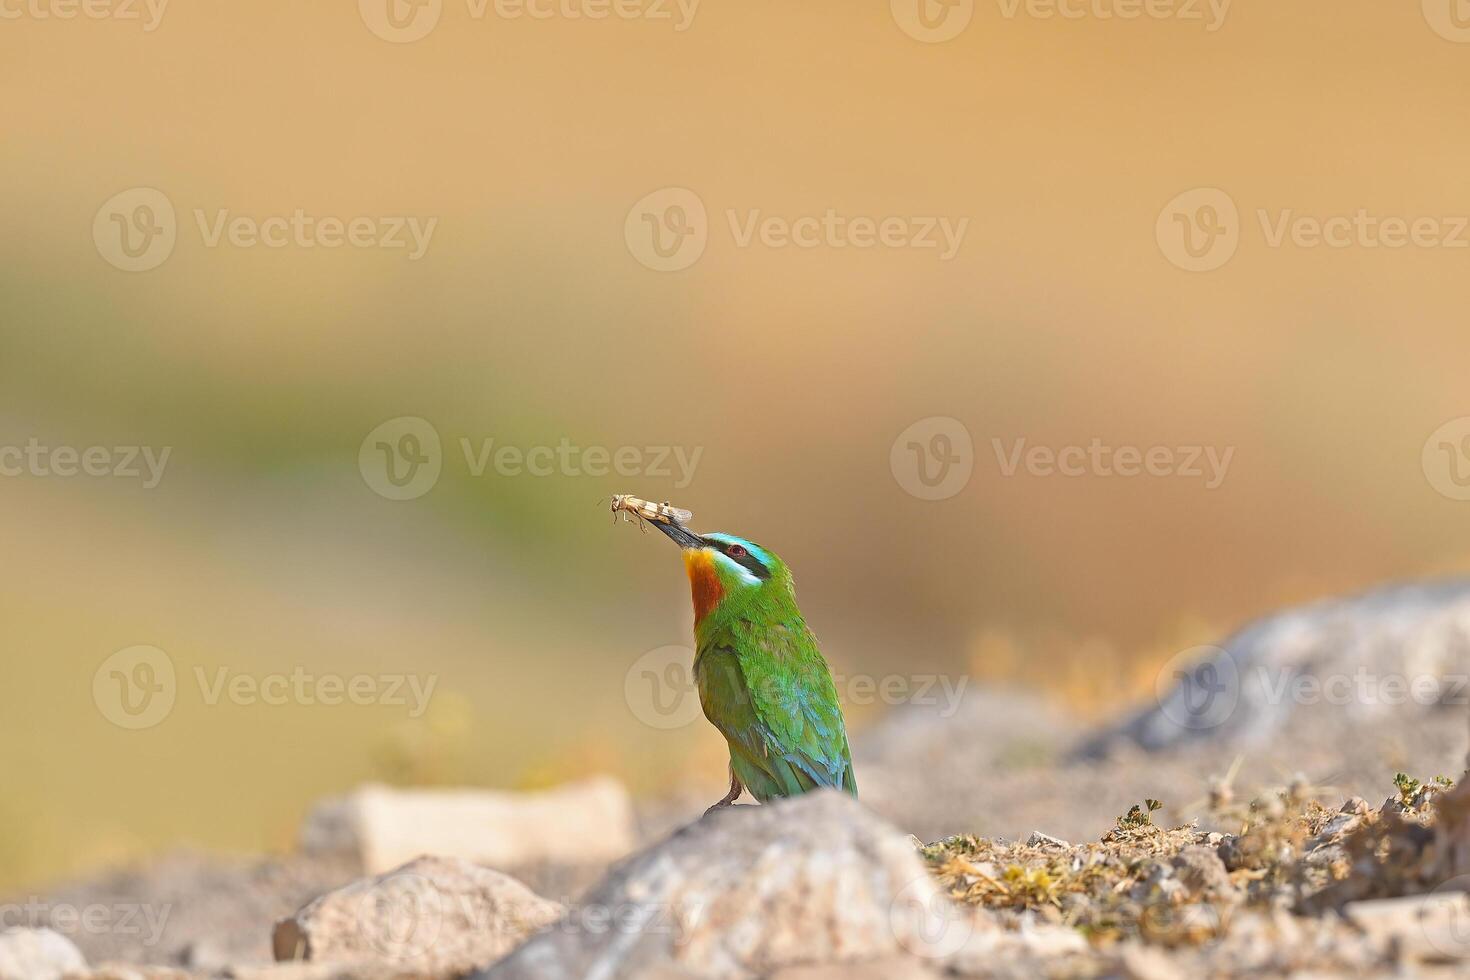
705	583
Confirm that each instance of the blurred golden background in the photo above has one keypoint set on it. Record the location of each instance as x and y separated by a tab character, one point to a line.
533	317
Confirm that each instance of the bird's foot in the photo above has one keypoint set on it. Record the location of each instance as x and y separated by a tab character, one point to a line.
729	799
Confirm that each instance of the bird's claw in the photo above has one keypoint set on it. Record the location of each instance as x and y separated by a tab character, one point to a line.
729	799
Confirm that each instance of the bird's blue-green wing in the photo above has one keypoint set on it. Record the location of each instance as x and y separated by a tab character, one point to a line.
772	696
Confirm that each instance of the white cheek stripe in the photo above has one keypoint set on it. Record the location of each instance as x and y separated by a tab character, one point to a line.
746	576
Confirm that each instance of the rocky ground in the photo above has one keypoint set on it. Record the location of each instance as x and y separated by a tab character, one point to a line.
1276	838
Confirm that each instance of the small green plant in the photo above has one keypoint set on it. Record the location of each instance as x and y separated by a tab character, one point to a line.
1139	816
1414	792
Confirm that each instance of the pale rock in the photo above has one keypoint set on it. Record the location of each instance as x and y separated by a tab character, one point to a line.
440	916
1142	962
1424	927
749	891
380	828
38	954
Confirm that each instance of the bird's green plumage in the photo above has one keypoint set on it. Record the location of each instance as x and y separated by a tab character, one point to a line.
763	682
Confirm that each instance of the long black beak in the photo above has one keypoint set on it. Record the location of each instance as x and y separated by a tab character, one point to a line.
679	534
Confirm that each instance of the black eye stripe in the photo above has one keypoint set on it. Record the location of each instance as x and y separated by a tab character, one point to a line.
747	561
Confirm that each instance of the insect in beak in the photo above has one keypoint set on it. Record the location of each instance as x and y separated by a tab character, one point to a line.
666	517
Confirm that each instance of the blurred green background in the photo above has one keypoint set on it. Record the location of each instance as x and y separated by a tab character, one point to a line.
530	320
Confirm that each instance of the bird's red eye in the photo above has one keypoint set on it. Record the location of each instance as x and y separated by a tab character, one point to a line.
736	551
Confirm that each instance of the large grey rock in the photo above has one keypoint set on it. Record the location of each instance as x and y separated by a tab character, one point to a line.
38	954
748	891
380	828
440	916
1332	665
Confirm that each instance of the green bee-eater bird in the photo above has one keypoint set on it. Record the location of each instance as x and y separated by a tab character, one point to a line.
762	680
